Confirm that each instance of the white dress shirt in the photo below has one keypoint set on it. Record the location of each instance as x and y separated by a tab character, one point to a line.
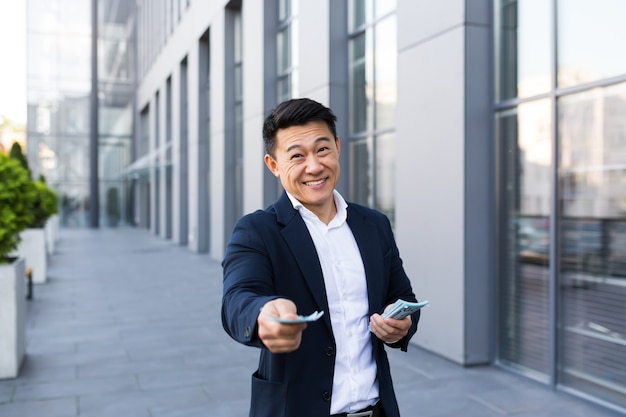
354	382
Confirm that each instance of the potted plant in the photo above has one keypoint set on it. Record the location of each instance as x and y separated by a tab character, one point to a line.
33	239
17	196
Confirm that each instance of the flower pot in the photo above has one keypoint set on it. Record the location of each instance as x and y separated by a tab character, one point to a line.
12	318
52	233
33	249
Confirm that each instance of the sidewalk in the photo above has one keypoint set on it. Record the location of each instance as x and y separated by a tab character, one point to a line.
128	325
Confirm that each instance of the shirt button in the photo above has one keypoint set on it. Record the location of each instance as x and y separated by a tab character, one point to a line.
330	351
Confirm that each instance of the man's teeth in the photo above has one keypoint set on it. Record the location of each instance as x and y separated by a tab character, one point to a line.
318	182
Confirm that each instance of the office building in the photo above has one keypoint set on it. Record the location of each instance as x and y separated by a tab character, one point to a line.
492	133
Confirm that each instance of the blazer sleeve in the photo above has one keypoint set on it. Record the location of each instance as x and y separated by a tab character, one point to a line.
399	283
247	281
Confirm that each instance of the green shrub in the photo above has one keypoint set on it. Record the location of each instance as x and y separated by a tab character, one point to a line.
16	153
17	197
44	206
45	203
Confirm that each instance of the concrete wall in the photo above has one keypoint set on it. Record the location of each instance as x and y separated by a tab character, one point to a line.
33	249
441	234
12	318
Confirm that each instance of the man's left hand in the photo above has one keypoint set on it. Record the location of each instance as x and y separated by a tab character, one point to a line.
389	330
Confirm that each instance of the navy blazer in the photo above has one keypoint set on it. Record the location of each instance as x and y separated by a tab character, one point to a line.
271	255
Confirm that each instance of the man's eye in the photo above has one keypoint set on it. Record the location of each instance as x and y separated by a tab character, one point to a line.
296	156
324	149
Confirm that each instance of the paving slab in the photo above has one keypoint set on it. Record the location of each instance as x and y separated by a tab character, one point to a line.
128	324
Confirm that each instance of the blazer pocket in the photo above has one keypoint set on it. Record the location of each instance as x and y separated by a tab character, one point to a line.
268	399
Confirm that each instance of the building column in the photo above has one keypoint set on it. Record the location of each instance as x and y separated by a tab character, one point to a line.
216	145
193	175
153	190
442	152
253	103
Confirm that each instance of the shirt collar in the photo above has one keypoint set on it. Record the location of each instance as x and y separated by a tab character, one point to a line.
340	204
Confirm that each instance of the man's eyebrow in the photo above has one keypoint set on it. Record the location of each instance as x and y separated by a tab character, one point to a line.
297	145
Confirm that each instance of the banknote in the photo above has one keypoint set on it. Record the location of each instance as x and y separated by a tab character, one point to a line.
300	319
400	309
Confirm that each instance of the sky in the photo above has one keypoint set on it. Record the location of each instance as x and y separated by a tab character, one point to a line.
13	60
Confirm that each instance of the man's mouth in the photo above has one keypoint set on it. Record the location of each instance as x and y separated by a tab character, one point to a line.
313	183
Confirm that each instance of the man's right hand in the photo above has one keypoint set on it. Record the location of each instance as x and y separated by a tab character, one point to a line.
280	337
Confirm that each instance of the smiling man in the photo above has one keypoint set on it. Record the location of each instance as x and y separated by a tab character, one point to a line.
312	251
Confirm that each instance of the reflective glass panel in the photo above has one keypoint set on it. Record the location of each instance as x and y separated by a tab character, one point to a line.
283	50
386	73
43	16
360	12
384	7
74	55
385	175
524	137
361	82
73	115
114	62
592	172
239	186
75	16
284	90
361	181
284	9
287	50
238	81
589	35
115	121
524	53
41	55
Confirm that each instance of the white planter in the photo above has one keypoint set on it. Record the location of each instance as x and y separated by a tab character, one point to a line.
12	318
52	233
33	249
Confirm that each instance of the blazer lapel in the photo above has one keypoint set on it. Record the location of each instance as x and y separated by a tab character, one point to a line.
368	241
299	241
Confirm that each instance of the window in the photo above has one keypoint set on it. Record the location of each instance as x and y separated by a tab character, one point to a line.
560	129
287	49
372	101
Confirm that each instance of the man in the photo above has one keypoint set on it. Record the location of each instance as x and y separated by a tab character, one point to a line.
311	251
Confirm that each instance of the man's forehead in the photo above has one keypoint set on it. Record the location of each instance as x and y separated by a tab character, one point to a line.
304	133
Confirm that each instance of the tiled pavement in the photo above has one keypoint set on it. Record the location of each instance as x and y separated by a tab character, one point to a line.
128	325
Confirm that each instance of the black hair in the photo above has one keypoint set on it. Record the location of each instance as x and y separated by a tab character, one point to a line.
295	112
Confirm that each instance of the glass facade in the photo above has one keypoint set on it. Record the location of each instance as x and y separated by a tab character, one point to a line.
58	78
561	135
583	29
287	49
116	86
59	87
592	244
526	166
372	101
156	21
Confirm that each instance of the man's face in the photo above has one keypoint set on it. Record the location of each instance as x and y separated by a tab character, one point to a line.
307	163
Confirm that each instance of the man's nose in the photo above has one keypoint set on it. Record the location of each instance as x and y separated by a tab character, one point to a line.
314	165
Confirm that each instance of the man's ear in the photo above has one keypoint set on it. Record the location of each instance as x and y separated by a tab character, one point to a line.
271	164
338	144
